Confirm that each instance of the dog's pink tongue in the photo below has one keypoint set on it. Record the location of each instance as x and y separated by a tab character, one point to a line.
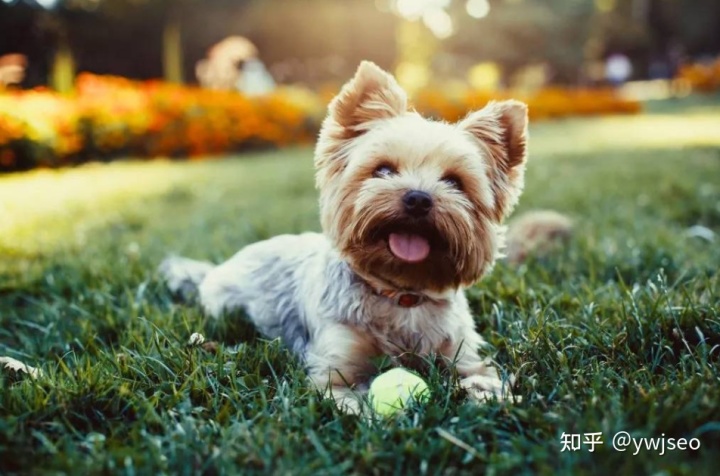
411	248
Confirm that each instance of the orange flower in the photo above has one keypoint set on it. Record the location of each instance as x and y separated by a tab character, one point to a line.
7	158
111	116
703	77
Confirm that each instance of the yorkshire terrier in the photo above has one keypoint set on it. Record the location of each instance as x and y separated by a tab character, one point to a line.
411	212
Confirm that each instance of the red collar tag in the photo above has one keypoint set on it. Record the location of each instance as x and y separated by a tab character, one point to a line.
403	299
406	300
409	300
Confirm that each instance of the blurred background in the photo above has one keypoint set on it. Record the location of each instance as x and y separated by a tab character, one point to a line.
206	112
97	79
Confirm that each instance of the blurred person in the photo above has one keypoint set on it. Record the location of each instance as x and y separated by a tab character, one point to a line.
254	78
222	69
12	69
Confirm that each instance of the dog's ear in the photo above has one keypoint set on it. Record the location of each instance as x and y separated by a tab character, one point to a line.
501	131
370	95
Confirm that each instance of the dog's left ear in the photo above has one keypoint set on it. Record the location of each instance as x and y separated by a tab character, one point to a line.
501	131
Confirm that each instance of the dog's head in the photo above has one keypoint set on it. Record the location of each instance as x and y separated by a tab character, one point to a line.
414	203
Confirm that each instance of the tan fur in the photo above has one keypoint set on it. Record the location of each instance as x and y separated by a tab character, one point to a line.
486	152
501	129
536	233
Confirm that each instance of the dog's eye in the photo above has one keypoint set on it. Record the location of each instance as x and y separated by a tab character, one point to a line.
452	181
384	171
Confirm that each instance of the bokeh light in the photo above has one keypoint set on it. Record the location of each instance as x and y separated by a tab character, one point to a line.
47	4
485	76
415	9
439	22
605	5
477	8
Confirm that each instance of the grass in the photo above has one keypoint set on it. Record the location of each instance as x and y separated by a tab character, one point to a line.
619	331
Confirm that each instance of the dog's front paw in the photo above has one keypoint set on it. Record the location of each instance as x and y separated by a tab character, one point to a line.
348	405
346	400
483	388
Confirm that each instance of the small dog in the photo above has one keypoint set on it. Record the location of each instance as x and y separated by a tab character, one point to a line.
411	212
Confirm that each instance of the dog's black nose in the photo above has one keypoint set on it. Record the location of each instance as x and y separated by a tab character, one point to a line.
417	203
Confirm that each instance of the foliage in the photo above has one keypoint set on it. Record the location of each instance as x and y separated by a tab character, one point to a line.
547	103
111	116
515	34
702	76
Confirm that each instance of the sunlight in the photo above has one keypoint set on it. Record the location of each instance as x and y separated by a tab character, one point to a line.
432	12
47	4
477	8
414	9
439	22
38	207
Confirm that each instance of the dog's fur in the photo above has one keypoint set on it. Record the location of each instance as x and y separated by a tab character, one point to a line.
536	233
336	298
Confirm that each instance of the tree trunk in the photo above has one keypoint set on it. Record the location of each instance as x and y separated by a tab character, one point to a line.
63	67
172	50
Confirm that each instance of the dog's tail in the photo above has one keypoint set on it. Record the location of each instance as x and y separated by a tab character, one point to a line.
183	275
536	233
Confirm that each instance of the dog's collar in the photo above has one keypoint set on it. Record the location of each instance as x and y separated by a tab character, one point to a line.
399	297
402	298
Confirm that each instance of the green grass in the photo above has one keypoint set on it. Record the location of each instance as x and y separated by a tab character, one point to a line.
619	331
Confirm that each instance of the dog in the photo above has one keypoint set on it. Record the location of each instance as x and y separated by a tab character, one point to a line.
412	213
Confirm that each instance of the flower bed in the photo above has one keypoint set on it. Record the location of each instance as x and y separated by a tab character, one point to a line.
109	117
703	76
549	103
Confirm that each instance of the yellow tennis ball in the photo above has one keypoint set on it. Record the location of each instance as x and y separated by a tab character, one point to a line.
391	391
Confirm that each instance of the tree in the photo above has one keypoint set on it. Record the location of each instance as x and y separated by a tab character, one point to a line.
171	13
515	34
63	20
51	22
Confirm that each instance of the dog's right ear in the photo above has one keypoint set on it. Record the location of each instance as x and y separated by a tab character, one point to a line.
371	95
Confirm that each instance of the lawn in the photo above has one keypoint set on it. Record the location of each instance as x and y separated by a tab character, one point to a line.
619	331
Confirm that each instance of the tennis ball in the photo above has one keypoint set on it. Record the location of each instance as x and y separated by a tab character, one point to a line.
391	391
